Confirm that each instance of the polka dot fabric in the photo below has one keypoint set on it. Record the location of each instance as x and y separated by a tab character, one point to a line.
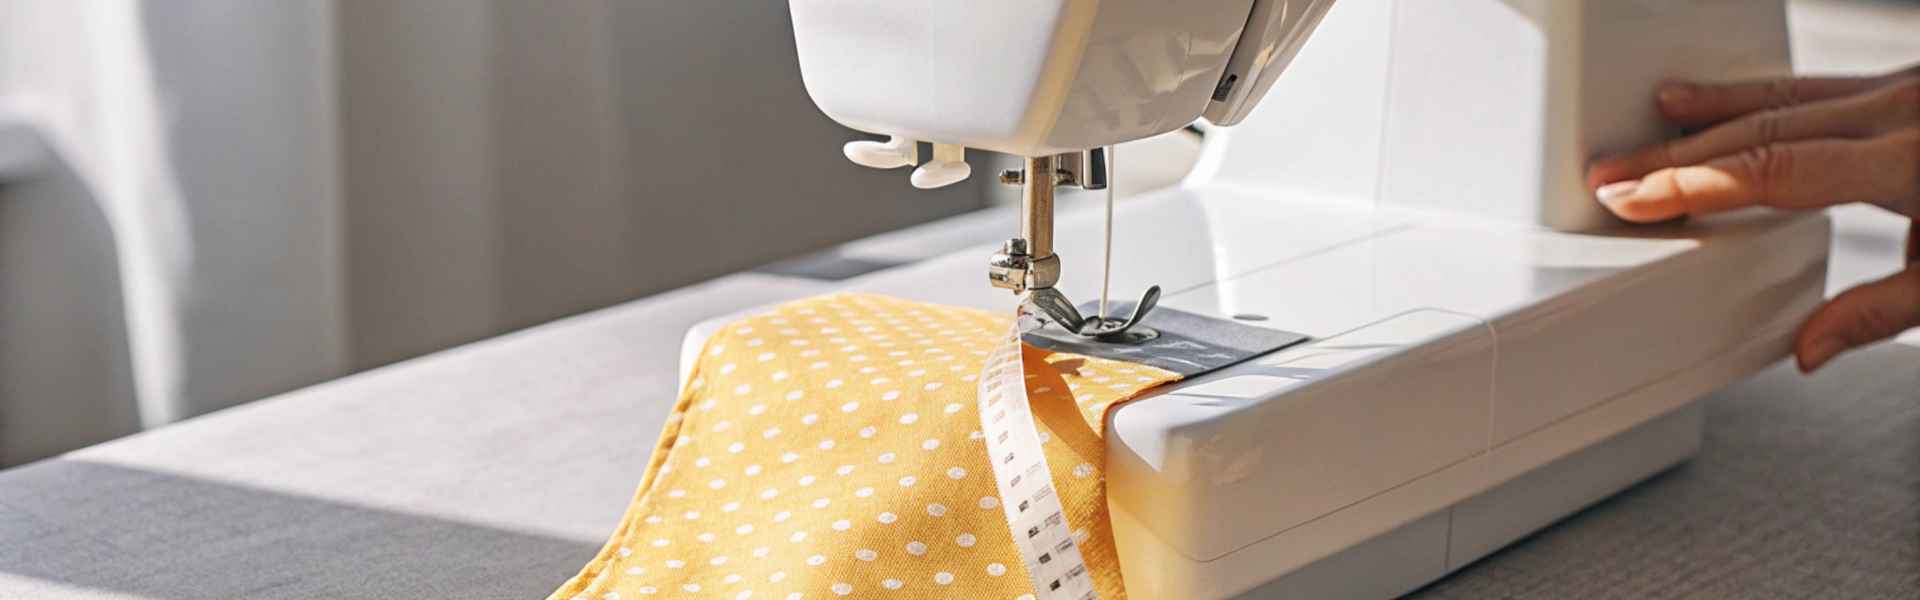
830	448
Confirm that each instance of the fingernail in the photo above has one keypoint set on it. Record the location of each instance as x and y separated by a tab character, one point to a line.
1609	193
1675	93
1820	352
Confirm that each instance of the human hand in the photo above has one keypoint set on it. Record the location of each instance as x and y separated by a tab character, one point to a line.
1792	144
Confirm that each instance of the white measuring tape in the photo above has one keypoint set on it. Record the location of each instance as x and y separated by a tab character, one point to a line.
1032	505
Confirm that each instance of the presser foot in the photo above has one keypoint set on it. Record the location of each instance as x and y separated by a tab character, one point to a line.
1054	307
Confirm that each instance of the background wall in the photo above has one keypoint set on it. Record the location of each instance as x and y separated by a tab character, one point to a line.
512	162
246	198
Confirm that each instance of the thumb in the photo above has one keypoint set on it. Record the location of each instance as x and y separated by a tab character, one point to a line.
1860	316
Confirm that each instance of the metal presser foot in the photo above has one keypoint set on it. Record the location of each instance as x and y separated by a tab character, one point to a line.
1027	264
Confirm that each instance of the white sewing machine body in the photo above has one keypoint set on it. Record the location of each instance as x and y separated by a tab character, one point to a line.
1404	196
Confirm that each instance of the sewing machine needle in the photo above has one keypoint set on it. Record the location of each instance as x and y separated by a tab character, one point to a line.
1106	267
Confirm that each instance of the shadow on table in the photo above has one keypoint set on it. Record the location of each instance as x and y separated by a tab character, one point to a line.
1803	487
77	524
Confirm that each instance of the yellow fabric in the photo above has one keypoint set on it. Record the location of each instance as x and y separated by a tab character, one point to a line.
830	448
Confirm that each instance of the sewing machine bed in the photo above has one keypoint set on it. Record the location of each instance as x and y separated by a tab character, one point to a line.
496	469
1469	382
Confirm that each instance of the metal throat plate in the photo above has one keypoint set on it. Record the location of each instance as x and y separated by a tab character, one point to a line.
1187	343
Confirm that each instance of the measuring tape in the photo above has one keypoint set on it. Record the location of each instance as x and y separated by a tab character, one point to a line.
1034	514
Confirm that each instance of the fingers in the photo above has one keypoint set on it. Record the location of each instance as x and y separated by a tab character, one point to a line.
1886	109
1884	170
1698	104
1860	316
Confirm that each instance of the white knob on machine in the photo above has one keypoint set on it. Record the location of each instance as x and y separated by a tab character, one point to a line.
894	153
949	166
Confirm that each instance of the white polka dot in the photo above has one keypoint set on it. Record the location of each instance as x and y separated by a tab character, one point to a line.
702	462
866	554
675	564
842	589
753	470
892	584
769	493
743	529
723	425
850	407
816	560
806	480
757	410
692	515
780	376
742	389
956	473
826	444
842	525
907	481
844	469
777	576
736	447
868	432
717	484
886	458
810	419
887	517
909	418
636	571
705	537
647	589
834	383
764	357
797	537
794	596
789	457
820	502
965	540
818	364
761	552
728	368
1083	470
996	569
718	560
930	444
863	492
891	395
744	594
691	587
931	386
796	395
953	408
936	509
625	551
943	578
916	548
661	543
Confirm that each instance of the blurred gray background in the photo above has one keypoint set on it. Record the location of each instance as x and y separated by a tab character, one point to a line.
212	201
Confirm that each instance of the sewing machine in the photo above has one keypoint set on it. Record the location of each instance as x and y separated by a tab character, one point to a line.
1488	350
